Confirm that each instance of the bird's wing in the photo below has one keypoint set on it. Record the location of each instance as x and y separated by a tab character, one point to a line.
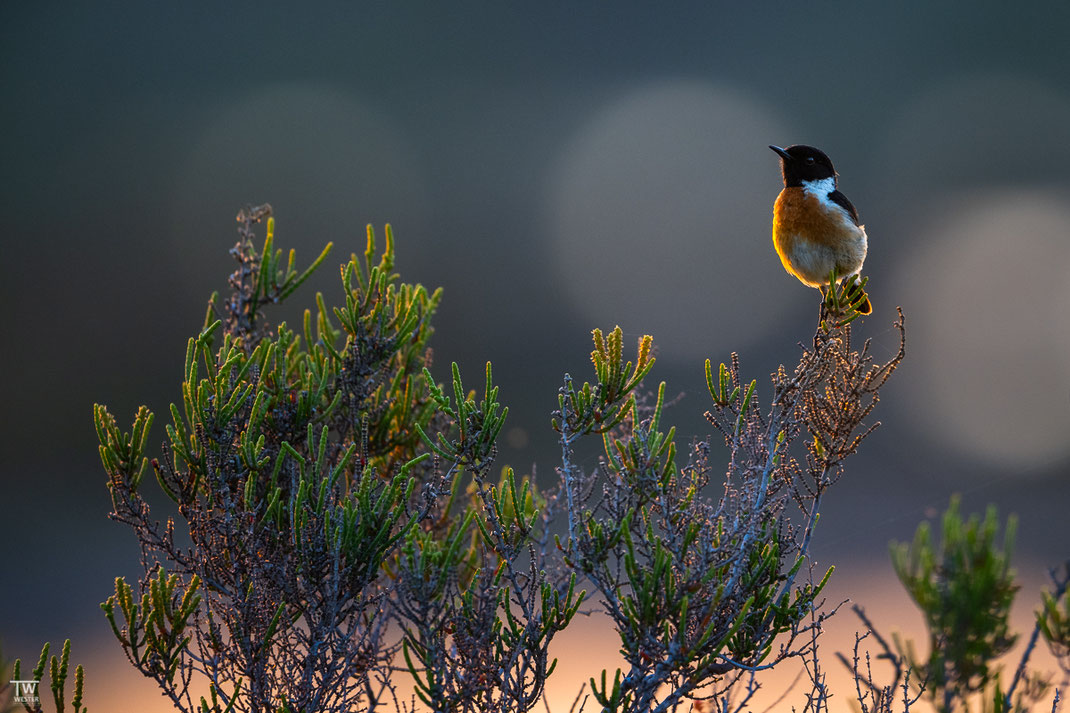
841	200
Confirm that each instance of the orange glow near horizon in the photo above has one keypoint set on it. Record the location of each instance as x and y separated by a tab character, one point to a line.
590	645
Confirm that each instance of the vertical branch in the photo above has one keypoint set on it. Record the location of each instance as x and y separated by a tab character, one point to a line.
1060	584
567	468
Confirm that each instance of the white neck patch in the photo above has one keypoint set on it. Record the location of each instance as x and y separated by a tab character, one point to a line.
820	189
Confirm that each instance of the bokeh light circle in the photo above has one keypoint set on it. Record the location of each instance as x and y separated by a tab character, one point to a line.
987	293
660	212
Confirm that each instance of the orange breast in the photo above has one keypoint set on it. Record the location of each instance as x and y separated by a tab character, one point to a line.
812	238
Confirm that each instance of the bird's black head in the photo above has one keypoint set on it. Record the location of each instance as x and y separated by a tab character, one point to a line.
801	163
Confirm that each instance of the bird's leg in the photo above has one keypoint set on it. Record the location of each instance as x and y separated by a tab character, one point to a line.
822	316
823	307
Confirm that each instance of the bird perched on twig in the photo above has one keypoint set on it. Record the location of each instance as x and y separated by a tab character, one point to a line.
816	230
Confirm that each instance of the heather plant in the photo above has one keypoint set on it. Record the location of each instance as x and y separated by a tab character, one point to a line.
964	588
475	603
323	519
346	541
702	584
23	689
1053	618
330	489
292	460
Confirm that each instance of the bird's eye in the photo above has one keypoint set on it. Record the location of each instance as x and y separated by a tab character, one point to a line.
810	160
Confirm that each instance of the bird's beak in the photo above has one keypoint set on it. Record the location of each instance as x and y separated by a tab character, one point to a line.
783	154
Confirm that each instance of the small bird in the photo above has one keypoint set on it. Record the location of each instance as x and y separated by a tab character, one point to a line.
815	228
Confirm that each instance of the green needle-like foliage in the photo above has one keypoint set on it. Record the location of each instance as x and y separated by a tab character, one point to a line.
478	424
319	477
600	407
57	670
477	619
1053	618
705	585
686	610
294	461
964	587
153	630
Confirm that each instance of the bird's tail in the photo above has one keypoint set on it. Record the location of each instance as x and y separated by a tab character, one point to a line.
854	294
864	306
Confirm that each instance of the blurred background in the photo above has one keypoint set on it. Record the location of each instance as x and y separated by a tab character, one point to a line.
555	171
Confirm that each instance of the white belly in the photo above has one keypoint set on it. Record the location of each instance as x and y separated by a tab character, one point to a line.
812	262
